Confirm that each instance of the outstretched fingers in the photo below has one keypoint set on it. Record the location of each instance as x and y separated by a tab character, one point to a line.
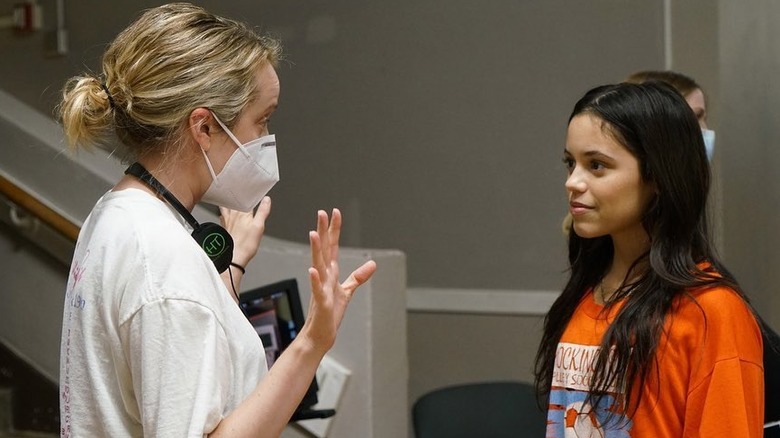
314	278
324	255
322	231
325	246
334	234
317	260
358	277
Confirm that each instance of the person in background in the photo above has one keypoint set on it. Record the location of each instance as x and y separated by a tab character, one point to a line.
691	91
651	336
153	341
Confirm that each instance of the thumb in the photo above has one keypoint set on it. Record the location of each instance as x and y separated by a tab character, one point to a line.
359	276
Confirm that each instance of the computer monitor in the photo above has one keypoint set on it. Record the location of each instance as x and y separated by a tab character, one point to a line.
276	313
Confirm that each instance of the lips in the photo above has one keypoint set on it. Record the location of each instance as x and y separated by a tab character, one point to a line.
576	208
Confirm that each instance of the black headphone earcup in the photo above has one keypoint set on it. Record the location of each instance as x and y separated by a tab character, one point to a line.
217	244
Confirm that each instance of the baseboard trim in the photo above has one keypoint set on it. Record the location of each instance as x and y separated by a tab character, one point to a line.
479	301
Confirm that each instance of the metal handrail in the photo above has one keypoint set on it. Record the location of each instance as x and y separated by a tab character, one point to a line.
43	212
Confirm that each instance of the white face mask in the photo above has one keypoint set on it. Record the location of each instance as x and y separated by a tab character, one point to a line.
709	142
248	175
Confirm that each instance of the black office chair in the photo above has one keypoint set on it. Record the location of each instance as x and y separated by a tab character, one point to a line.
485	410
771	381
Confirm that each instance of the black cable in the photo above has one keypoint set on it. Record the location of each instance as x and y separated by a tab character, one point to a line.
233	285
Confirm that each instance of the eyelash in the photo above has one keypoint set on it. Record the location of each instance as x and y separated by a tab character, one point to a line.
593	165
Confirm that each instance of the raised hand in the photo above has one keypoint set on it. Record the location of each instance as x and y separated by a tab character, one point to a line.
329	298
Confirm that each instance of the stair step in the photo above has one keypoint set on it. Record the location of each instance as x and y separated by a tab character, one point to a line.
25	434
6	413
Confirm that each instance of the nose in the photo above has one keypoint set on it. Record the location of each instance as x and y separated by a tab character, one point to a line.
575	183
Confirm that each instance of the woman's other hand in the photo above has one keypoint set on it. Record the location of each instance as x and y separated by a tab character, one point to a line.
246	229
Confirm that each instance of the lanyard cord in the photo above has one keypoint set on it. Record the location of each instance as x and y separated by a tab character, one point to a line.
233	285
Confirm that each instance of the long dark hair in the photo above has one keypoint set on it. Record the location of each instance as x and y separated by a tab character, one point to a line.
653	121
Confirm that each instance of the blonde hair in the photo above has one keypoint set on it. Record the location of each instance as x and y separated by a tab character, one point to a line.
685	85
171	60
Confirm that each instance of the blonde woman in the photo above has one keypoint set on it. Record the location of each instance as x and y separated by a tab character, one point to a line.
153	341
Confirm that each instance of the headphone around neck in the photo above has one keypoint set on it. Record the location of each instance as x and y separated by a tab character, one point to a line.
212	238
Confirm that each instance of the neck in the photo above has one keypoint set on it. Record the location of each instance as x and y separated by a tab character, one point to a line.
628	248
176	177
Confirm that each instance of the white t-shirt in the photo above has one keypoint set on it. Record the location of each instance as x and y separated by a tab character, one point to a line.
153	343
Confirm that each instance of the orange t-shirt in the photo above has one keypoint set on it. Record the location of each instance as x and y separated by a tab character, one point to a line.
709	380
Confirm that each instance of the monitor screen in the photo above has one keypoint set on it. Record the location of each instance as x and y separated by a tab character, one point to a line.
276	313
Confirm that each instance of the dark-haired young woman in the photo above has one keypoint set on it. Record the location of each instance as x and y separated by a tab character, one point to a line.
652	336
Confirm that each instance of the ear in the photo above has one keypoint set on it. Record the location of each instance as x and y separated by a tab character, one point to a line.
201	127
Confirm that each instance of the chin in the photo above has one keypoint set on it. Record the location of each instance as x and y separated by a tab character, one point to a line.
587	232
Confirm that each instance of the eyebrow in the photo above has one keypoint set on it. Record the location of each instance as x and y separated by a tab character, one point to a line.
591	154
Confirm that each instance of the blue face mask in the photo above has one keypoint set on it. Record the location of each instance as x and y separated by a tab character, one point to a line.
709	142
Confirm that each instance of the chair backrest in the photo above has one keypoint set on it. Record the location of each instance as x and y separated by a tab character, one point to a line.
485	410
771	381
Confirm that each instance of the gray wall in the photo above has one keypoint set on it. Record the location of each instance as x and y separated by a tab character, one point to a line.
749	66
443	122
436	125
